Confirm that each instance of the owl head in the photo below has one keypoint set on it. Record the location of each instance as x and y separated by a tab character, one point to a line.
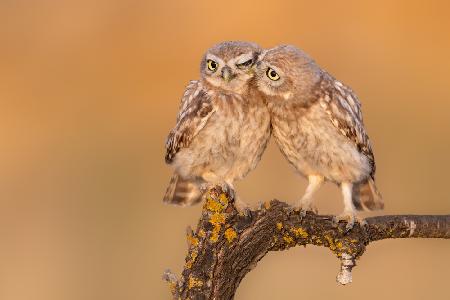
230	65
286	72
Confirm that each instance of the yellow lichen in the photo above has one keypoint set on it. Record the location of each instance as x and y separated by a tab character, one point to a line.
172	286
288	239
193	241
215	234
330	242
217	219
230	234
223	199
213	205
190	262
299	232
279	226
194	282
201	233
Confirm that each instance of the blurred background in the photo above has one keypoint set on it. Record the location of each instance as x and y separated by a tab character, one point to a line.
90	89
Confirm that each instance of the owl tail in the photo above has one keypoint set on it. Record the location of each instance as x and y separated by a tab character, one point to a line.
366	196
182	192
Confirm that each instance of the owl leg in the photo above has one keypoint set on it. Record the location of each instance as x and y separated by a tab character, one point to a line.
211	180
242	207
349	213
305	203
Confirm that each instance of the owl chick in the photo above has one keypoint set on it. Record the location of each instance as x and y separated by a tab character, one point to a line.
223	125
318	126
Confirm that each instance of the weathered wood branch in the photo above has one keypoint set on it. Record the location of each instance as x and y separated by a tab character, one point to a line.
226	245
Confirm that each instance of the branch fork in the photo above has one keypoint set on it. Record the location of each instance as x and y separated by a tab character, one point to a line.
226	245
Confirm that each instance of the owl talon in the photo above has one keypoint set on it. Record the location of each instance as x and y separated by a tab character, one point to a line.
242	208
350	218
304	209
228	189
245	212
289	209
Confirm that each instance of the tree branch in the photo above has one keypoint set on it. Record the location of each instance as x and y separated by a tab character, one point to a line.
226	245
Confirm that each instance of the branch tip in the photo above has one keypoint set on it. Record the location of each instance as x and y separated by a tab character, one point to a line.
345	274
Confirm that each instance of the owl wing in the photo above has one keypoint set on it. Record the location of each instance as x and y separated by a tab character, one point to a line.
195	111
344	110
191	92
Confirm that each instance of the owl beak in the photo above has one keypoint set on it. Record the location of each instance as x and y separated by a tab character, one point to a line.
227	74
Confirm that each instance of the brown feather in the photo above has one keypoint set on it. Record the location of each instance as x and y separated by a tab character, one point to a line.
367	197
196	108
182	192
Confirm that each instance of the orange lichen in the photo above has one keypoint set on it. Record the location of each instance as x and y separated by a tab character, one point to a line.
279	226
230	234
201	233
267	204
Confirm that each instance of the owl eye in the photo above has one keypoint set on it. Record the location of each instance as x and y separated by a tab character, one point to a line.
245	63
272	74
212	65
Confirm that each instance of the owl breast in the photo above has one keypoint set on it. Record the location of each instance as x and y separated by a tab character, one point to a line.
231	143
311	143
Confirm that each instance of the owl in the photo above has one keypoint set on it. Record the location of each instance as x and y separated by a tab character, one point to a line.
318	126
222	128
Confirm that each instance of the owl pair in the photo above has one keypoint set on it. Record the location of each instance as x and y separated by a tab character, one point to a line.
244	95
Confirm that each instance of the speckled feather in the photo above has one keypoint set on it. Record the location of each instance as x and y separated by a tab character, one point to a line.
222	133
223	125
344	110
195	110
317	123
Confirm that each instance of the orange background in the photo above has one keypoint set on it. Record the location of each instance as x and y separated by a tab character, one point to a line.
90	89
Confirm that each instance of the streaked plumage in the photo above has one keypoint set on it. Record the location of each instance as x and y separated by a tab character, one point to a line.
223	125
318	125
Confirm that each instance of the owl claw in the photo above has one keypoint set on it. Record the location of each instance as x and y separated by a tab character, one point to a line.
304	209
228	189
242	208
244	212
288	209
350	218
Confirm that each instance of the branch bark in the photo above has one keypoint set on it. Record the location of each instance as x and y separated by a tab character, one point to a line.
226	245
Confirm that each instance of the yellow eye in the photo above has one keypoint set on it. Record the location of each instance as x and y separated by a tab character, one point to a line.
212	65
272	74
